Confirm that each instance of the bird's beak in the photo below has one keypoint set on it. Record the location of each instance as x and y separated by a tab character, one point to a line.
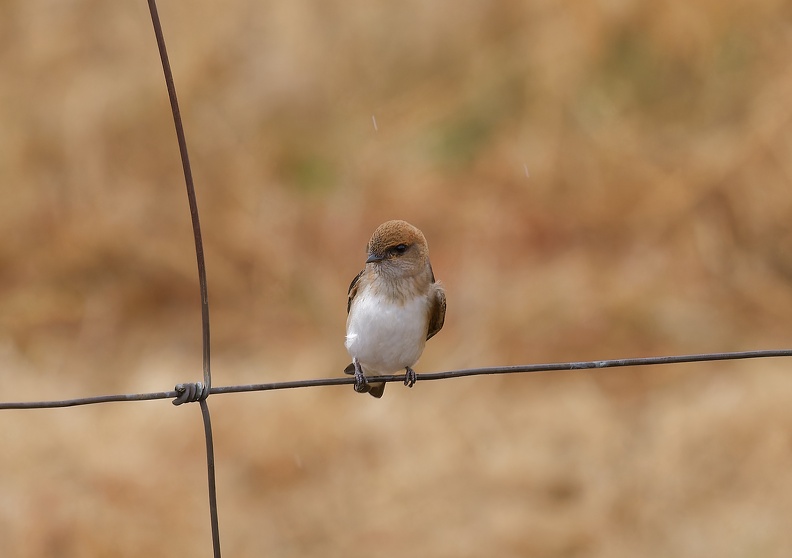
374	258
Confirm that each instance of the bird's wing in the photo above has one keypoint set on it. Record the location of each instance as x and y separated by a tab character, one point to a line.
437	310
353	289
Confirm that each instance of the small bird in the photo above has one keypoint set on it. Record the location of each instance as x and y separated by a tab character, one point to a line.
394	306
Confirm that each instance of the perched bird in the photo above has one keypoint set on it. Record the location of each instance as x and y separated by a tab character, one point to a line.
394	306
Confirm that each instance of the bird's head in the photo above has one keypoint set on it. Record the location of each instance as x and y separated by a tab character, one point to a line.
398	249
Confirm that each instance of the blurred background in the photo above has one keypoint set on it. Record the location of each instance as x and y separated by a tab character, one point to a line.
596	180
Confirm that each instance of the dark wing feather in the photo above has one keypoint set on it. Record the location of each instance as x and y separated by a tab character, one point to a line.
353	289
437	310
351	293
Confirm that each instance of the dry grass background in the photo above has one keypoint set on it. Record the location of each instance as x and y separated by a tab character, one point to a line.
654	220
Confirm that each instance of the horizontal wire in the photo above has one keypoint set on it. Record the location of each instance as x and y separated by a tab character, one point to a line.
320	382
89	400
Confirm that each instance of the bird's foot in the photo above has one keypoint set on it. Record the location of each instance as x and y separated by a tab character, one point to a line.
361	384
410	377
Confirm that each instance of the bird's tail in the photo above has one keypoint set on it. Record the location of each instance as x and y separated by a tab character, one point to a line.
376	390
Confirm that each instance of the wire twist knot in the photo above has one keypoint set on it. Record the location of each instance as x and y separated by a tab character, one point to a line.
191	393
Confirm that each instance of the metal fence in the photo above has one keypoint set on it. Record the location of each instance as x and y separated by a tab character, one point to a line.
200	391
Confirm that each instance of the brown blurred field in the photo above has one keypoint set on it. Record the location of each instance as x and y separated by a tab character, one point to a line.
596	180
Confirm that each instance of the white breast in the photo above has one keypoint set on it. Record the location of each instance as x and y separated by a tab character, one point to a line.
386	336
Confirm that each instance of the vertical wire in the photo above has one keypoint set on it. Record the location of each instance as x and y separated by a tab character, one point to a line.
196	225
210	463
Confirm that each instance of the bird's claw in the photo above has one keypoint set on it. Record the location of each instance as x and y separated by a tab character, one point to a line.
361	384
410	377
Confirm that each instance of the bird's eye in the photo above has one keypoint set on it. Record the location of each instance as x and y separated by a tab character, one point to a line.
400	249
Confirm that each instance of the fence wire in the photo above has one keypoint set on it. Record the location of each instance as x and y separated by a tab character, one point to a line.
199	391
178	394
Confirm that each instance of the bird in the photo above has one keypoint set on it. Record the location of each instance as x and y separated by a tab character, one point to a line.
394	306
